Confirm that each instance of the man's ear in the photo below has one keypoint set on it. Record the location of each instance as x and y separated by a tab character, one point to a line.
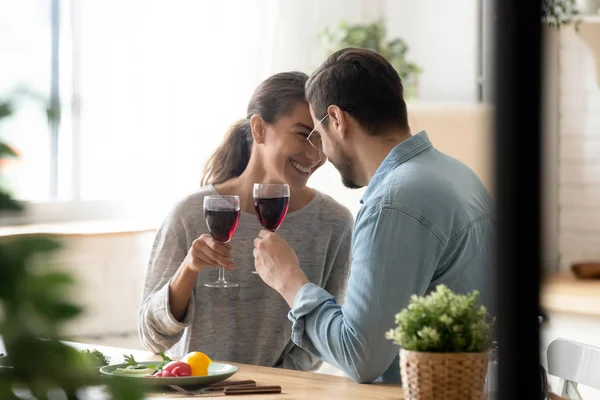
338	121
258	128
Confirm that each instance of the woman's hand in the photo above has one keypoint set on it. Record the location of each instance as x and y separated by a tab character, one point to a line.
207	252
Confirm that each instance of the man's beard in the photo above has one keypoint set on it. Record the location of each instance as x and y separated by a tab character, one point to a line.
345	167
349	182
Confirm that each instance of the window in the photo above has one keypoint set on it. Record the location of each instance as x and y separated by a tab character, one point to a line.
26	48
147	92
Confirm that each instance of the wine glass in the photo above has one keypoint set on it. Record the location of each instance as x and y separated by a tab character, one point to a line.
222	214
271	202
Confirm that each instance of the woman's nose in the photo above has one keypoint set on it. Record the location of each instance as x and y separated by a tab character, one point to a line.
313	154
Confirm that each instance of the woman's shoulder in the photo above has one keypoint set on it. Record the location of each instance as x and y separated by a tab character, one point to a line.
191	206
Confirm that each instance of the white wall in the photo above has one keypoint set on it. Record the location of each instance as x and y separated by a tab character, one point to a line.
442	39
579	151
297	25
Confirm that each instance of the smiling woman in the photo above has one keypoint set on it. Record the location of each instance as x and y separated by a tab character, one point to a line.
278	122
268	146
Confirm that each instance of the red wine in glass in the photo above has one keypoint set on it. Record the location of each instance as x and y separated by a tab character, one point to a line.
271	202
222	215
222	223
271	211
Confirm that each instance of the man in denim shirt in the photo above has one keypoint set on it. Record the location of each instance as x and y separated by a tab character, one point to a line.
426	219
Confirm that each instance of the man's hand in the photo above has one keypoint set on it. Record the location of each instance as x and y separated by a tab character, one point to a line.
277	264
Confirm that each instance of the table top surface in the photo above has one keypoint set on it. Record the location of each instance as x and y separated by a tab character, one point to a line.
294	384
564	293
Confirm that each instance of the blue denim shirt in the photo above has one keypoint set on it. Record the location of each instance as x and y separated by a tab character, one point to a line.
425	219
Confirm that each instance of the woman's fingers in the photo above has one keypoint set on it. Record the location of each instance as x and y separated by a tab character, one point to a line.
212	252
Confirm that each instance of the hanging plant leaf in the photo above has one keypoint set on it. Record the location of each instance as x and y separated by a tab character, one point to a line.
6	151
7	203
6	109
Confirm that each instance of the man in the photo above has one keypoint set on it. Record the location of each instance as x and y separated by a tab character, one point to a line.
425	219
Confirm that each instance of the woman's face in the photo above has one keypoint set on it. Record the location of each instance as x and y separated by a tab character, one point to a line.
287	155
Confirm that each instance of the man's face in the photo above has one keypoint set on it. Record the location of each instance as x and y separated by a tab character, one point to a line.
338	151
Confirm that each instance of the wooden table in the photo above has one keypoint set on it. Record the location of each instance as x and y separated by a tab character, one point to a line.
294	384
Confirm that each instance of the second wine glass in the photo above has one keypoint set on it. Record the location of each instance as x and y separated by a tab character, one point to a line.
271	202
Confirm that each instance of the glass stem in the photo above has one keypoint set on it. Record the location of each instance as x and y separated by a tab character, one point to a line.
221	274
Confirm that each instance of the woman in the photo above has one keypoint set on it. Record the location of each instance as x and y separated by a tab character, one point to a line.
246	324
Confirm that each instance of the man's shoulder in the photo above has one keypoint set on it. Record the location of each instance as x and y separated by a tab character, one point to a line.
445	197
435	180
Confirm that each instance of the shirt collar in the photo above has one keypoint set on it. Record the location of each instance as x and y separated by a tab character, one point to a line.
401	153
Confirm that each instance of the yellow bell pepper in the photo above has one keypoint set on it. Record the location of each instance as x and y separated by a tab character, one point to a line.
199	363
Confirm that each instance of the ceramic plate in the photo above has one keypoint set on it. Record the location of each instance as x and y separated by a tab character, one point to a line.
216	372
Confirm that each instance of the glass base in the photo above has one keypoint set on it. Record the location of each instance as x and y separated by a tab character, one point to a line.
222	284
255	273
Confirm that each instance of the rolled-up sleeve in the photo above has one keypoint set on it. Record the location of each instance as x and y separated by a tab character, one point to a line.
297	357
395	254
159	330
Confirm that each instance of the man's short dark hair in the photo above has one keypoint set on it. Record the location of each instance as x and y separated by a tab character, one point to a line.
364	84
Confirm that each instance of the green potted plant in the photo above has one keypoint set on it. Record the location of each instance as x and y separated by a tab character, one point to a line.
445	339
373	36
557	13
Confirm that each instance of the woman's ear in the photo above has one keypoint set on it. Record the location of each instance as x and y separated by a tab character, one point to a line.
258	128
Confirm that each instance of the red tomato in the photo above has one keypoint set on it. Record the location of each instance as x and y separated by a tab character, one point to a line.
177	368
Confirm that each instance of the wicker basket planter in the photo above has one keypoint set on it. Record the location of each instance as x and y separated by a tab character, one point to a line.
443	376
